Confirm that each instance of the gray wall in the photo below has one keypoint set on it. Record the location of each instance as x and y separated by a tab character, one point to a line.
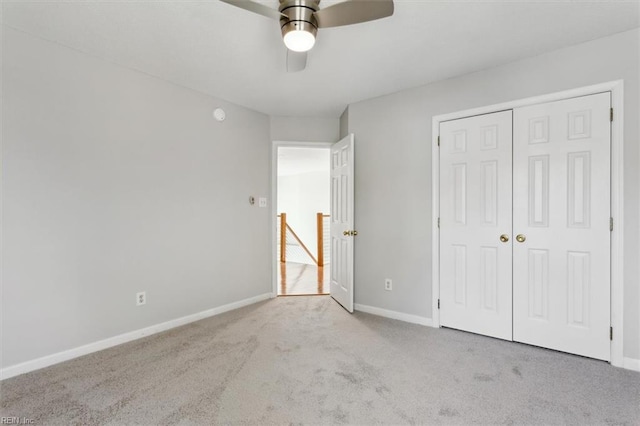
393	167
344	123
305	129
115	182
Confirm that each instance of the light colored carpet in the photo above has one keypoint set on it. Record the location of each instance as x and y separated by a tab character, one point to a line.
306	360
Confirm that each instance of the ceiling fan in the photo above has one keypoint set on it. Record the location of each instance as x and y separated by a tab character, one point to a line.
301	19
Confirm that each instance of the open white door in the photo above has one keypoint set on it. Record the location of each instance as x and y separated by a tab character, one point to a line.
342	232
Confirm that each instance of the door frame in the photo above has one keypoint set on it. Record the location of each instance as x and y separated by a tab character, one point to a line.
617	196
274	199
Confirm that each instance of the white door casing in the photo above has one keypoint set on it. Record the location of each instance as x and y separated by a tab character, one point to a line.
475	211
561	187
342	221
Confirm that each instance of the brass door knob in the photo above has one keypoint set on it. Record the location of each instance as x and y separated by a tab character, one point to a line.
520	238
345	233
354	233
504	238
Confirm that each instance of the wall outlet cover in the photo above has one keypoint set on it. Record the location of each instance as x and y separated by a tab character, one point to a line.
388	284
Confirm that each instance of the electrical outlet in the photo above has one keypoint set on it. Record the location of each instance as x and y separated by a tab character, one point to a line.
262	202
141	298
388	284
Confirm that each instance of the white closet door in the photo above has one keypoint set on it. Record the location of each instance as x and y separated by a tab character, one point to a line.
561	270
475	210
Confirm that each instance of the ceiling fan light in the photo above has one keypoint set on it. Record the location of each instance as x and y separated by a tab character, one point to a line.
299	35
299	40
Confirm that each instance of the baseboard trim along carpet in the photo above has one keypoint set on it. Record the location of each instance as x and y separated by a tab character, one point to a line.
59	357
628	363
631	364
414	319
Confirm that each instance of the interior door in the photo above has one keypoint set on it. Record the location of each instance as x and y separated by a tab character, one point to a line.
561	258
342	229
475	224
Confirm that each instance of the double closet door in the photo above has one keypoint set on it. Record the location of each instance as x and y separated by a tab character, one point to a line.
525	225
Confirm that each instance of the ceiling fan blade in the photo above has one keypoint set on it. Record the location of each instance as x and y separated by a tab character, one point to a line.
296	61
353	12
254	7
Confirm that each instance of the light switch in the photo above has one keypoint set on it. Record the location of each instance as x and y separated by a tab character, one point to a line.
262	202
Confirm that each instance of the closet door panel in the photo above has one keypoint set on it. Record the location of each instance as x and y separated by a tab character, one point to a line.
475	211
561	211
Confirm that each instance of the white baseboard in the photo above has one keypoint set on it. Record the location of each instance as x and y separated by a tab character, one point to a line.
414	319
628	363
631	364
56	358
46	361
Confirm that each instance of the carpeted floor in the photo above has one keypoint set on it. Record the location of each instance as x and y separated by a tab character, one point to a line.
306	360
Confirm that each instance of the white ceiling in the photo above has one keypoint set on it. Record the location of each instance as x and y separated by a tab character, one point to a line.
238	56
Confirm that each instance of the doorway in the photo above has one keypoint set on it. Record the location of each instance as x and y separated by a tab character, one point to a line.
302	220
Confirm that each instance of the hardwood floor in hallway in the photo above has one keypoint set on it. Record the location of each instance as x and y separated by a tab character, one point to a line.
295	279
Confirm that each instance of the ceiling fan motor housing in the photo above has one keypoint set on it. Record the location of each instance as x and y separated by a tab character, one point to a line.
299	16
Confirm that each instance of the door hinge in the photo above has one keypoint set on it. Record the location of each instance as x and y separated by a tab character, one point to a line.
438	303
610	333
611	114
438	223
611	224
438	140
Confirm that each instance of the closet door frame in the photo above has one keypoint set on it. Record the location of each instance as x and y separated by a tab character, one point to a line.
617	202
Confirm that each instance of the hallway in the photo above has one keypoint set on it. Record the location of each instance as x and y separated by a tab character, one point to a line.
295	279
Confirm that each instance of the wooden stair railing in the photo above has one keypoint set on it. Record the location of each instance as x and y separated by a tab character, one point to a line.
283	237
320	229
284	226
319	224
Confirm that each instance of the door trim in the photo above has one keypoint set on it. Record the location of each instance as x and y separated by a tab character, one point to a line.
274	199
617	197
